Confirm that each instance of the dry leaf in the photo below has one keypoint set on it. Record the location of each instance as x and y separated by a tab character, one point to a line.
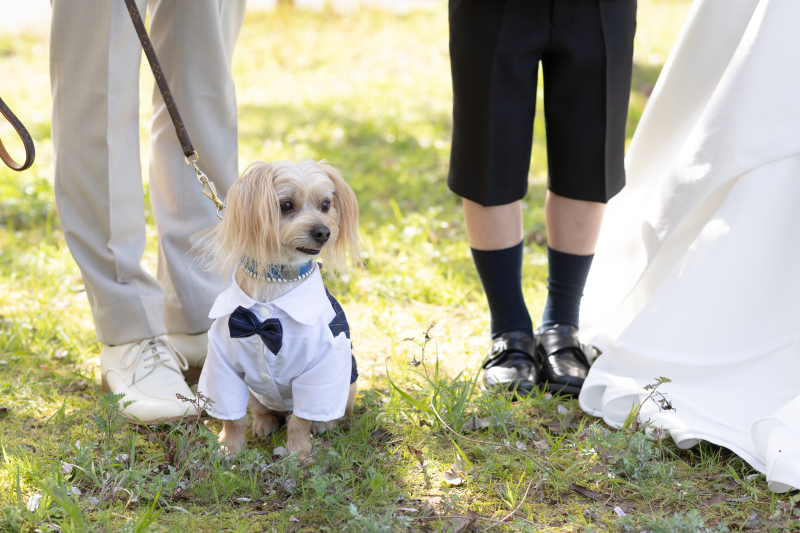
715	499
582	435
418	453
45	368
598	469
587	492
542	444
474	424
458	525
452	477
730	484
431	506
753	521
76	386
559	426
456	475
280	451
289	485
381	435
741	499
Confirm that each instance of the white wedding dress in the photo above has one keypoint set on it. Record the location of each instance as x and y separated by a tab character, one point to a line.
697	272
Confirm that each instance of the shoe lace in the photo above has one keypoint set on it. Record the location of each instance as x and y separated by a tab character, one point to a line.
157	350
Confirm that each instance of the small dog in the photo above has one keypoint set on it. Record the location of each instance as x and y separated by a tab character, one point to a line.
280	342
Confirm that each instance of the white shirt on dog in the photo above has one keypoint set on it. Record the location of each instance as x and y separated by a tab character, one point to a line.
310	374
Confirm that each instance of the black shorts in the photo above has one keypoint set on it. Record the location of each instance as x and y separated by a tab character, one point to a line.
586	50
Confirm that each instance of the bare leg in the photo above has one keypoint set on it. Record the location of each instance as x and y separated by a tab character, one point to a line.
233	436
573	226
493	228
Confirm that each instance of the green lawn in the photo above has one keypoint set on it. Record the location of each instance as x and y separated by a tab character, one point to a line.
370	92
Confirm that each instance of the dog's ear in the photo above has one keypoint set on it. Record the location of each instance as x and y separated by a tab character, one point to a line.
250	222
348	241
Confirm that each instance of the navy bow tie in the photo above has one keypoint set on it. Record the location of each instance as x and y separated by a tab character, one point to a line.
244	323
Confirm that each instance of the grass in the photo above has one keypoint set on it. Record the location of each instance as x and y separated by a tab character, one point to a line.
370	92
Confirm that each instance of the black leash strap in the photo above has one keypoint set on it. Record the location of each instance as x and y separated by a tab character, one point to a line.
161	81
30	153
180	130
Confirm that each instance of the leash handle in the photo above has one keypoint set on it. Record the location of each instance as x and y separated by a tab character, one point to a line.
190	154
30	153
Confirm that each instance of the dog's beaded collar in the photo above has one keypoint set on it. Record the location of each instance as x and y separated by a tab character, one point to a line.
274	273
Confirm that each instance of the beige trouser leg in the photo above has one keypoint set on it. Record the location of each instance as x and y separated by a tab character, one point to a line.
95	58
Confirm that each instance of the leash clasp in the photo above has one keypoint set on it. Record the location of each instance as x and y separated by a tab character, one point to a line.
209	189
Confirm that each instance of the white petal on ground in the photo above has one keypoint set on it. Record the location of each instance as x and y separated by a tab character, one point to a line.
474	424
619	511
33	502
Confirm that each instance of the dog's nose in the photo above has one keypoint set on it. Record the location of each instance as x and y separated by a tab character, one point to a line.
320	233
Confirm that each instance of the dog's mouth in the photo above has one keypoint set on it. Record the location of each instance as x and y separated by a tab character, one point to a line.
310	251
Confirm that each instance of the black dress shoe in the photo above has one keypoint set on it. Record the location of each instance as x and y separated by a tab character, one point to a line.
511	363
564	364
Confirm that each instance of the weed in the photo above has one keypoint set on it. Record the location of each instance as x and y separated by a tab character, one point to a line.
109	420
691	522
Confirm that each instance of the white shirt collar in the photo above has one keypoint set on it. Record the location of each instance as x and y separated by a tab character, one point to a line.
304	303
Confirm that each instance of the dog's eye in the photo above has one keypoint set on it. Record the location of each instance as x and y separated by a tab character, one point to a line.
326	205
286	206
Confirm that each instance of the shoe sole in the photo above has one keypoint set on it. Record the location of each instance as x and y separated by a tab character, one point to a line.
107	389
557	388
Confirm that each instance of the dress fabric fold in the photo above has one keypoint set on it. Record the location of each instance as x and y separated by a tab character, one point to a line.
696	276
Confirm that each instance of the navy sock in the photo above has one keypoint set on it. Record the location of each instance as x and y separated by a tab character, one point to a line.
565	283
501	275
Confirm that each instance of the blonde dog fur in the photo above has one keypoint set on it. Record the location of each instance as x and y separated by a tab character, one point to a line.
271	212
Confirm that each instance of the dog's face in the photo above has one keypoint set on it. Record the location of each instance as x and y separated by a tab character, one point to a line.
309	218
287	213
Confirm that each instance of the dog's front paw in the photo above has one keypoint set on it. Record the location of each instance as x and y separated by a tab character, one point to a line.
318	428
302	447
264	425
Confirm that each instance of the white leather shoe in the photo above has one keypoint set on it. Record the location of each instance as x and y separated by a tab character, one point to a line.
148	371
194	348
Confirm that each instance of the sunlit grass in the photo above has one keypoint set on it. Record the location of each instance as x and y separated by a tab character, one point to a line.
370	92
